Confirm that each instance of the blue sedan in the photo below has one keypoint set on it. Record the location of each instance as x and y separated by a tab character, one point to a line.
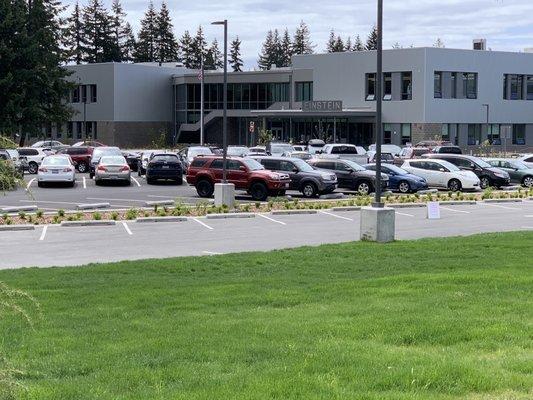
399	179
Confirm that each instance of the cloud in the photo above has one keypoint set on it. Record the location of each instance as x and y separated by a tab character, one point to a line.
504	23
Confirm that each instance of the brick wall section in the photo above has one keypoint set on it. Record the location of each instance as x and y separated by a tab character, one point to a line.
421	131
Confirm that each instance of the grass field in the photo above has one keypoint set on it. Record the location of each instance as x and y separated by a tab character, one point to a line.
431	319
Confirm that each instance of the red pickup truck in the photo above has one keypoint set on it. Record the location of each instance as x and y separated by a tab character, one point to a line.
246	174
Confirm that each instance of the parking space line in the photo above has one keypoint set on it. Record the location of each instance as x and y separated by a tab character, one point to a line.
29	183
499	206
272	219
136	181
457	211
336	216
127	228
84	183
203	224
405	215
43	233
46	202
529	216
103	198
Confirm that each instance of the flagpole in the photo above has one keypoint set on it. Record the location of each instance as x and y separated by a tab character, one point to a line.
202	102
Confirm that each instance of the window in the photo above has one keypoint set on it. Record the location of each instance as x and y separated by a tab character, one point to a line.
387	133
505	82
519	134
234	165
83	93
79	129
529	87
453	82
470	85
474	134
325	165
95	130
387	86
93	93
88	129
304	91
515	81
406	134
437	85
70	129
445	132
199	162
217	164
494	134
370	87
76	94
407	85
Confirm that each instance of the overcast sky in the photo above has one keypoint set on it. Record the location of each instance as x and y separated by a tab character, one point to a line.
506	24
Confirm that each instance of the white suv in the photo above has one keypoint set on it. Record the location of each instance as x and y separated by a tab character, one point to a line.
34	157
443	174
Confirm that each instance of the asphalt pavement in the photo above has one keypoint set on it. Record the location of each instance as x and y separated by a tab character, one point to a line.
64	246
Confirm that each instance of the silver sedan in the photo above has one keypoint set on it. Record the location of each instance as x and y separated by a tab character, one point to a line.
112	168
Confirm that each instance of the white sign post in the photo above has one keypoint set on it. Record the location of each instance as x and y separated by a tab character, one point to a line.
433	208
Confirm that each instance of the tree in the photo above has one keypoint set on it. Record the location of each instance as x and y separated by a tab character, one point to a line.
396	46
128	47
286	49
268	52
330	46
302	40
439	43
372	40
198	48
235	60
186	47
73	36
167	47
339	45
98	44
358	44
119	29
213	57
348	44
145	50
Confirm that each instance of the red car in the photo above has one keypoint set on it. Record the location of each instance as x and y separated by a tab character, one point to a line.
246	174
81	156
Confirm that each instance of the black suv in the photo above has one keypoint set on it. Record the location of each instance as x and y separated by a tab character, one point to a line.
304	178
488	175
351	175
447	150
164	166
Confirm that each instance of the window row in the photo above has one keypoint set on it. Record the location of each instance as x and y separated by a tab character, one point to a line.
495	134
405	132
78	130
304	91
241	96
404	89
84	94
454	85
517	87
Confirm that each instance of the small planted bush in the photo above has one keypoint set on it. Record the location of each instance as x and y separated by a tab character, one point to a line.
97	216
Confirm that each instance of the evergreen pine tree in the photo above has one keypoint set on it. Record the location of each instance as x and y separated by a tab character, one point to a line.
396	46
73	36
372	40
277	56
96	31
167	47
118	28
186	47
286	49
198	48
145	50
213	57
128	46
235	60
439	43
302	40
266	58
330	46
338	47
348	44
358	44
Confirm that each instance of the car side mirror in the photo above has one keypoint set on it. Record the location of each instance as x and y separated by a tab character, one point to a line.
295	170
242	168
442	169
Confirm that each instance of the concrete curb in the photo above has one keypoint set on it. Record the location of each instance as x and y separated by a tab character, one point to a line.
406	205
159	203
428	191
104	222
347	208
18	209
160	219
230	215
503	201
332	196
293	212
458	203
4	228
92	206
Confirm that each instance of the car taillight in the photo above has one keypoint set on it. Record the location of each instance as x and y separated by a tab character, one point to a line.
67	169
42	169
125	168
102	168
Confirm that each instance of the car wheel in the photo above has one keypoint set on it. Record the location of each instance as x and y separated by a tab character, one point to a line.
33	168
363	188
179	181
91	175
485	182
454	185
71	184
309	190
259	191
528	181
40	184
404	187
150	181
82	167
204	188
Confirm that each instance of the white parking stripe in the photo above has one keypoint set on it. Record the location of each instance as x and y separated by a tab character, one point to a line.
43	233
125	225
271	219
336	216
529	216
29	183
136	181
84	183
103	198
203	224
211	253
46	202
405	215
457	211
499	206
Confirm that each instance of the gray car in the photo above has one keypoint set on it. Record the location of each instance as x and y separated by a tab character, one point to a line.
112	168
304	178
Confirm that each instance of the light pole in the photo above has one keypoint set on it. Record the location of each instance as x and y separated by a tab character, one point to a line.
379	99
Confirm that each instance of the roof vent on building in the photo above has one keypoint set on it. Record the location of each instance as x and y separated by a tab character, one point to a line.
480	44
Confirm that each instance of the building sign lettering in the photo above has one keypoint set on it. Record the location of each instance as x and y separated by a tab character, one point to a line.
323	105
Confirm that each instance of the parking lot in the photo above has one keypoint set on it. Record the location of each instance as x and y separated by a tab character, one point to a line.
60	246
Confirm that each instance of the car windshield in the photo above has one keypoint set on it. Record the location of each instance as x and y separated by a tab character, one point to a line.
237	151
252	164
12	153
482	163
396	170
55	161
281	148
354	165
450	166
165	158
196	151
518	165
115	151
302	165
112	160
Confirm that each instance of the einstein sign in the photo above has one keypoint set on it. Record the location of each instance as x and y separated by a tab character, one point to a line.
322	106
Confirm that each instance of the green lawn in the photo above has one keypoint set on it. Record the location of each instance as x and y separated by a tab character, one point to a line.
430	319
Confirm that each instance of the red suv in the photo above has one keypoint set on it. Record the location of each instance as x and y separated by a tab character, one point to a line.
244	173
81	156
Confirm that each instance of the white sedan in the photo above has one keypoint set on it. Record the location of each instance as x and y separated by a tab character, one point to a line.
58	169
442	174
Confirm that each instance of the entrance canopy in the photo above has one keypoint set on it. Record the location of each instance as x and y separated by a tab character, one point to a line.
297	113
